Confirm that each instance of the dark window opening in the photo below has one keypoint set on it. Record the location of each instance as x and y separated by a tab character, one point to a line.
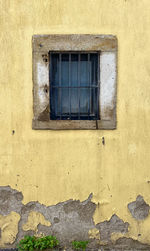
74	86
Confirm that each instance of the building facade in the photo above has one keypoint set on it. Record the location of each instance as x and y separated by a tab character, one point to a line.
75	184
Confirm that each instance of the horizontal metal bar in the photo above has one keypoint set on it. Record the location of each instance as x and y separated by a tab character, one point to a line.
75	87
75	115
73	52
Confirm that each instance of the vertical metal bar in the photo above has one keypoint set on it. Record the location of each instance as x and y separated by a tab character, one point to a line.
50	80
89	78
94	89
98	88
60	99
79	84
69	85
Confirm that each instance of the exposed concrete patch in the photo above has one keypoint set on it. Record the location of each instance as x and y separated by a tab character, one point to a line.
10	200
68	220
130	244
34	219
139	208
80	208
115	224
75	219
124	244
44	230
116	236
25	211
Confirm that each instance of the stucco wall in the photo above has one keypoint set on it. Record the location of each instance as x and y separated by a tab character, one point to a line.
55	166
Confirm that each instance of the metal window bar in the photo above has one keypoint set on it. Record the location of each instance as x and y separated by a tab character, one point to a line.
59	93
89	77
72	87
94	81
79	84
94	87
98	84
69	85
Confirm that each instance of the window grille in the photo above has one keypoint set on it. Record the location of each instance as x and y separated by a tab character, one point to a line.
74	86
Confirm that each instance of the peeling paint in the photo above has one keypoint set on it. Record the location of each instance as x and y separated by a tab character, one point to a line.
67	220
139	208
115	224
94	234
125	244
115	236
10	200
131	244
9	228
34	219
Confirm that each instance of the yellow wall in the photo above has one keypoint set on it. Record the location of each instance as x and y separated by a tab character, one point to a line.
54	166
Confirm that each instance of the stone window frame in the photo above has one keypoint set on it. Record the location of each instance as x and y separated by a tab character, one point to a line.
107	47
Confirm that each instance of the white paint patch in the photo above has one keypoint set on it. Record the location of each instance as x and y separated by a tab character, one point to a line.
42	74
107	84
42	80
43	100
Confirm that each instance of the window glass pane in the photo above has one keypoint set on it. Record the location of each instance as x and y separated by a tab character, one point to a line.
65	70
84	70
94	102
54	105
74	69
55	70
74	101
65	101
94	68
84	101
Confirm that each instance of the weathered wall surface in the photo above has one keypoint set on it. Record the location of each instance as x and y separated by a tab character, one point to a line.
65	167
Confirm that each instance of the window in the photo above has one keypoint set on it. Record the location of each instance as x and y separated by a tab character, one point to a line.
74	88
74	79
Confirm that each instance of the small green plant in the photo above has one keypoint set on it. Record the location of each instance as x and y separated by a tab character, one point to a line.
31	243
79	245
